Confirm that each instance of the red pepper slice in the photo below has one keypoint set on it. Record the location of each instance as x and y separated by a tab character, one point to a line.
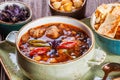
41	50
67	45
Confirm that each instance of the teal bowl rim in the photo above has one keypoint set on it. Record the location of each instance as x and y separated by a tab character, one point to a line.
20	22
64	11
61	63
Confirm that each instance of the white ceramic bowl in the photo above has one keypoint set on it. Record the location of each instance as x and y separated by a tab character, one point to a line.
72	70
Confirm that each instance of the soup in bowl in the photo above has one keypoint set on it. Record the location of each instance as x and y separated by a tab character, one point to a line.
53	48
54	43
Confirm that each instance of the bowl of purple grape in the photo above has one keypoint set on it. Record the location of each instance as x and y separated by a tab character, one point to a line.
13	15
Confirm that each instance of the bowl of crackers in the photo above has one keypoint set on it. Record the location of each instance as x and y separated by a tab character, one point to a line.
105	22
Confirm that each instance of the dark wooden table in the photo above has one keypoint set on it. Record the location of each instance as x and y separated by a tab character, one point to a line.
40	9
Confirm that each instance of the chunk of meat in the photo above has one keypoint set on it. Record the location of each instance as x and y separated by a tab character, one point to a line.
52	32
37	32
77	48
63	55
62	26
25	38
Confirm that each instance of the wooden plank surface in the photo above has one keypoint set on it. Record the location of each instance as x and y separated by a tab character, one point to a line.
40	9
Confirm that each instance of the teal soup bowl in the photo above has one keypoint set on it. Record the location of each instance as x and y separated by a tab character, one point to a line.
8	26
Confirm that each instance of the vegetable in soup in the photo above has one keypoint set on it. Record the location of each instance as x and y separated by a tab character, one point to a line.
54	43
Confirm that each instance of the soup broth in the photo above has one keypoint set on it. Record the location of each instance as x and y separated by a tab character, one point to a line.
54	43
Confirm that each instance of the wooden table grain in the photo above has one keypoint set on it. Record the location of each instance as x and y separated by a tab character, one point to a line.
40	9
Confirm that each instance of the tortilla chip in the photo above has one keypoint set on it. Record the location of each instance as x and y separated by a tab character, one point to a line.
104	8
110	26
116	11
